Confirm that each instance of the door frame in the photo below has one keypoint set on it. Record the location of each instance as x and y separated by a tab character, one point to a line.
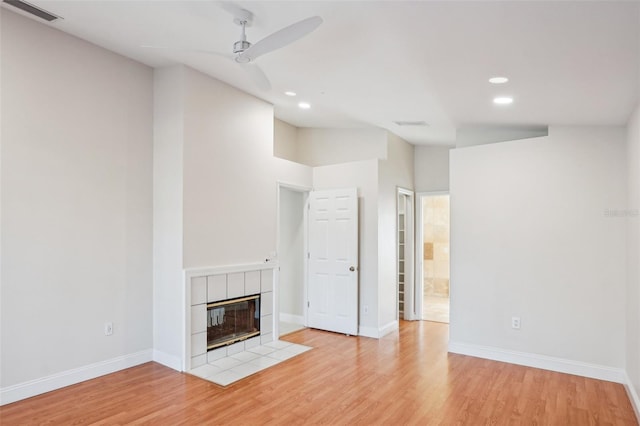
276	282
410	307
419	238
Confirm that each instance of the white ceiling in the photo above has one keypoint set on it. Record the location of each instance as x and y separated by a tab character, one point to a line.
372	63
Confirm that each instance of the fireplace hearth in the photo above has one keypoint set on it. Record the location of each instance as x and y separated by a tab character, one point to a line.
231	321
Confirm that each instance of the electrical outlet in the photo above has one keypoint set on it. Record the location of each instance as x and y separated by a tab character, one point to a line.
108	328
515	323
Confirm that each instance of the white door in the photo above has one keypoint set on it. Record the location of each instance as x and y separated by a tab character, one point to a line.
333	256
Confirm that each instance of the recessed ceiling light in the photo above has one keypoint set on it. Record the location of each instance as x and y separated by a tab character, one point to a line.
498	80
503	100
304	105
290	93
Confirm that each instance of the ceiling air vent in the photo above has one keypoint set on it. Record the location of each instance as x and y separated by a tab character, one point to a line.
411	123
33	10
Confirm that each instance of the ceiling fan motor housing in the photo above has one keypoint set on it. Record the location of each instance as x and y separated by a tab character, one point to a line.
240	46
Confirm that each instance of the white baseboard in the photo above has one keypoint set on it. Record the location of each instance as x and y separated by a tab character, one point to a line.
167	360
544	362
389	328
294	319
633	396
368	332
35	387
377	333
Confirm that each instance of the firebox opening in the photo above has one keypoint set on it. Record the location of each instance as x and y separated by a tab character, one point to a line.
232	321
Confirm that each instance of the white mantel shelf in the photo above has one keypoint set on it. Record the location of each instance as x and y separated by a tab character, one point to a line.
228	269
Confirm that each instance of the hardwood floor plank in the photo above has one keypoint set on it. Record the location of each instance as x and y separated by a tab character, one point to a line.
404	378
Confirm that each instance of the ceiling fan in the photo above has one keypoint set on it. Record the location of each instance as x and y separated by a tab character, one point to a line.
245	53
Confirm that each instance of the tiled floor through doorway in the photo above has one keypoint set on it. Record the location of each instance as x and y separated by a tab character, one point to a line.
435	308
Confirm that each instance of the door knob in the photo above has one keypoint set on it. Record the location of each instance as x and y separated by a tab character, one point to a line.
352	268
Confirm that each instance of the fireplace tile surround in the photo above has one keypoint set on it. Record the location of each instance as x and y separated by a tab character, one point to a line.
228	364
217	284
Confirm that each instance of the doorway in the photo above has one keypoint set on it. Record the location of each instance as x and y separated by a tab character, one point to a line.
317	252
435	215
291	260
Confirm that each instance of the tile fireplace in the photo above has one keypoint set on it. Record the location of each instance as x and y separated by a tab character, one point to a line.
229	310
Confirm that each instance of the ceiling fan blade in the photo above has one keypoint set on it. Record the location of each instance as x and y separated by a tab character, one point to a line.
281	38
258	76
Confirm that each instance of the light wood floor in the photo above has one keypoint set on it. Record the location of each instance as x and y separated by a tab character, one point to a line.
404	378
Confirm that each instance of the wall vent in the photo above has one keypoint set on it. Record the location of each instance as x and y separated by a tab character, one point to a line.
411	123
33	10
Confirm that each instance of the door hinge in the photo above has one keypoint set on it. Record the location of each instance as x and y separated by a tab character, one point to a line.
308	305
308	255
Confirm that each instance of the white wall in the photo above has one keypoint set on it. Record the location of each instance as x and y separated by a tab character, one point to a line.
633	253
396	171
168	146
76	203
291	252
227	133
285	140
431	168
230	175
321	147
364	176
470	135
530	238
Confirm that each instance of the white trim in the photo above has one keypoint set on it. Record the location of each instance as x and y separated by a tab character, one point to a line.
276	299
305	265
294	319
561	365
418	274
633	396
229	269
35	387
186	323
186	328
167	360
